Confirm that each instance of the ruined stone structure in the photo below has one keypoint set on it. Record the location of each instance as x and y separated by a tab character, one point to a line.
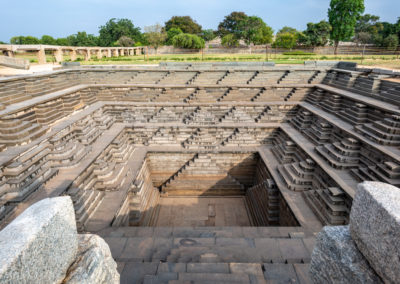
183	165
59	51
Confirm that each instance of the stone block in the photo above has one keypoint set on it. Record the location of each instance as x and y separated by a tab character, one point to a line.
40	244
375	227
94	263
336	259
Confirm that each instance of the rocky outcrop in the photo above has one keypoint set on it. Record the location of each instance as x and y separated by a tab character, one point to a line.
93	264
336	259
375	227
366	251
42	246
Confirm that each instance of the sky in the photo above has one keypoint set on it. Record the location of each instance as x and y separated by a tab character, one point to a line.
60	18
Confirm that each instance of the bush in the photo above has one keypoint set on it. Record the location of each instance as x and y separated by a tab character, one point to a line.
299	52
188	41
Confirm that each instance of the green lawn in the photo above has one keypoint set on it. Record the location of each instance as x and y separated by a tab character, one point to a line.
388	61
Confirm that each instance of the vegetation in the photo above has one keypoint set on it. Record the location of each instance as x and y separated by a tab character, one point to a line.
343	16
253	30
114	29
155	36
346	23
171	33
186	24
188	41
230	40
316	34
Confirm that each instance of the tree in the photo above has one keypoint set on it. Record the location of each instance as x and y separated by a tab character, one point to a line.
188	41
207	35
316	34
125	41
46	39
286	40
24	40
185	23
232	24
63	41
343	15
155	36
230	41
368	29
171	33
83	39
254	30
114	29
287	30
391	42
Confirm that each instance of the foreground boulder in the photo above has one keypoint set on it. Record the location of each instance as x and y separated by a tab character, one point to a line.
336	259
375	227
94	263
42	246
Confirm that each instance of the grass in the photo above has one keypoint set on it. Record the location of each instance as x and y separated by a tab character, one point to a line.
388	61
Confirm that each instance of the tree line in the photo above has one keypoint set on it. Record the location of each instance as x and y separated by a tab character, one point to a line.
346	22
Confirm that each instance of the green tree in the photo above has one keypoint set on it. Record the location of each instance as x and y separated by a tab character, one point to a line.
155	36
46	39
208	35
255	30
24	40
188	41
171	33
286	40
185	23
230	40
343	16
63	41
391	42
287	30
232	24
114	29
83	39
316	34
368	29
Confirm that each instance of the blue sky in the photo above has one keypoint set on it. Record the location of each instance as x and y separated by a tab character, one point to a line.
60	18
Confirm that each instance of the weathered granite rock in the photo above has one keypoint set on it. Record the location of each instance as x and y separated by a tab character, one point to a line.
375	227
94	263
40	244
336	259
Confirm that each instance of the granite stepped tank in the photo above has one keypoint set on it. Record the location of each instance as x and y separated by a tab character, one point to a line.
200	172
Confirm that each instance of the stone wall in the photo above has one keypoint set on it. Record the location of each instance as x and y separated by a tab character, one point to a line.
367	250
42	246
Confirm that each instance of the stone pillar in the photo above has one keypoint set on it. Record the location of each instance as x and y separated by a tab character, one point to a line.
72	55
116	53
131	53
121	52
99	54
88	55
109	53
58	54
41	55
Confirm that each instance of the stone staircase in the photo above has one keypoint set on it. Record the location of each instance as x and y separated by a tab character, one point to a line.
211	254
202	175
